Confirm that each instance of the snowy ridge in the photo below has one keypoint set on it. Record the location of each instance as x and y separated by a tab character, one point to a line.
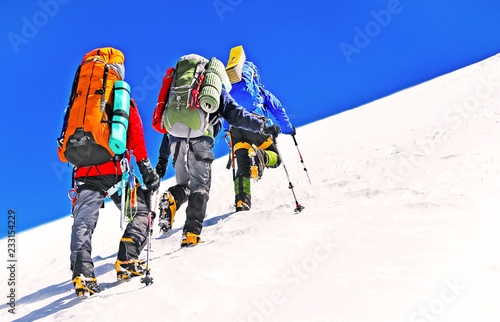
401	224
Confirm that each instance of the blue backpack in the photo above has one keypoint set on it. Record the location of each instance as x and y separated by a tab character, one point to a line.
251	94
247	92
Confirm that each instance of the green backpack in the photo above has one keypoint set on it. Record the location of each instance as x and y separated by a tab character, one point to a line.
194	94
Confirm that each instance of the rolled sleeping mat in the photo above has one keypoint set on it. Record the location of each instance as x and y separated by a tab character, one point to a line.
210	92
216	66
119	124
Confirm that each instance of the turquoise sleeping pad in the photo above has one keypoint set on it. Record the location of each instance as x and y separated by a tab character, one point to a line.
119	125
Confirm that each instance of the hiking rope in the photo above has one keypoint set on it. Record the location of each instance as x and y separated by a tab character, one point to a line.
131	197
127	198
194	97
72	196
129	202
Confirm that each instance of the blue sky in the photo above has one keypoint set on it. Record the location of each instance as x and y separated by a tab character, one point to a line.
319	58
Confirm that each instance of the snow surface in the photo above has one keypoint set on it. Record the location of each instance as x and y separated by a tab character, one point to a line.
401	223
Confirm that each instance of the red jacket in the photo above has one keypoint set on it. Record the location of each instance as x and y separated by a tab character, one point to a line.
135	144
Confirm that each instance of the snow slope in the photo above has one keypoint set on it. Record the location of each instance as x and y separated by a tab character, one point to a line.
401	224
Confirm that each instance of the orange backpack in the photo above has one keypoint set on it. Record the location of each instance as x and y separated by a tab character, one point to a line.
86	128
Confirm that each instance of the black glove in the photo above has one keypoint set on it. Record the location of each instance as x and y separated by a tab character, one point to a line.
149	175
161	167
272	130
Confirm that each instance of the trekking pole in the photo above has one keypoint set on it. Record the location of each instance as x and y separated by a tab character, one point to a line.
153	212
301	160
298	207
147	279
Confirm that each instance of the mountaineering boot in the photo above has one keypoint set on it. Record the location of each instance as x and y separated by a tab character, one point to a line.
130	268
242	193
258	160
84	285
168	208
84	280
127	265
190	239
241	206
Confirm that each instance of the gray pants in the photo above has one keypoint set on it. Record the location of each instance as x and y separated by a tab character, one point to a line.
89	199
193	171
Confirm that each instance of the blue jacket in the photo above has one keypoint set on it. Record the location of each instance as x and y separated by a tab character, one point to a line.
233	113
251	94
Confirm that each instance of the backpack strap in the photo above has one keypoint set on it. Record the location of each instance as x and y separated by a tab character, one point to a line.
75	84
176	153
102	90
188	143
72	97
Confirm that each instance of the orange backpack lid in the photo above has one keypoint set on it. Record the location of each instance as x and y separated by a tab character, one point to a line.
108	54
